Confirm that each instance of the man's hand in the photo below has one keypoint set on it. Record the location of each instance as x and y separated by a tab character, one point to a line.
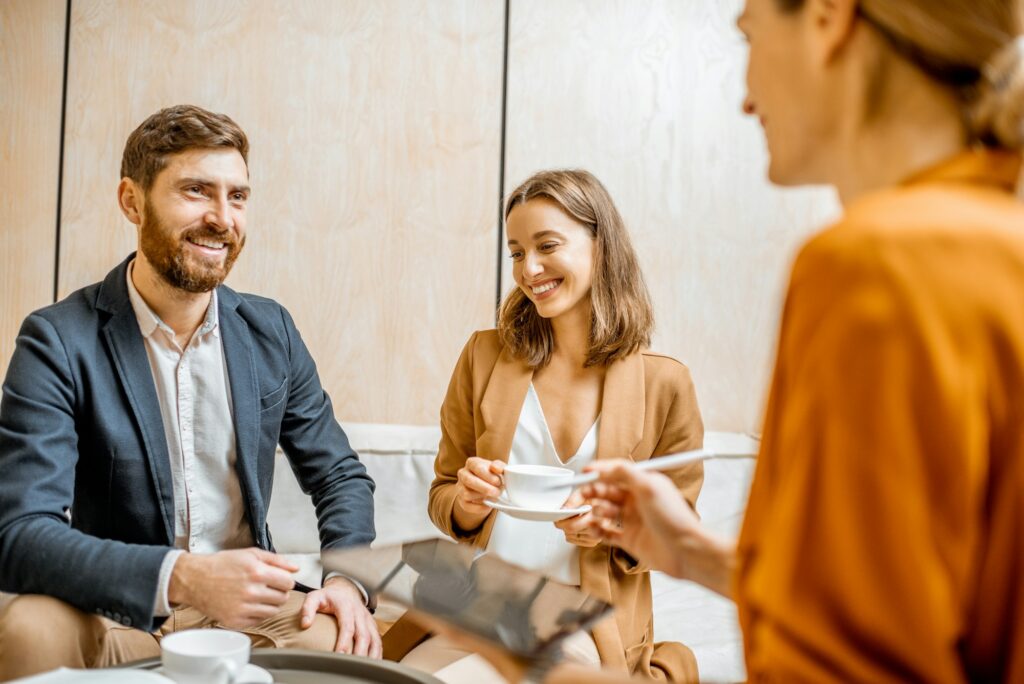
580	530
357	630
238	588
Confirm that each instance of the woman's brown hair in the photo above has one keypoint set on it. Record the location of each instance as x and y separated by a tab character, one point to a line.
621	318
972	46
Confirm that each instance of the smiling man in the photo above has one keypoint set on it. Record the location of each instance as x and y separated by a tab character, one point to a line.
138	430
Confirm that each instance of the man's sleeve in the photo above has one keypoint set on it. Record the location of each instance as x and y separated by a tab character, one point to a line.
40	553
323	461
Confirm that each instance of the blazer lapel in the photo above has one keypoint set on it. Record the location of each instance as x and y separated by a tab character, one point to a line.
622	408
245	406
501	405
128	351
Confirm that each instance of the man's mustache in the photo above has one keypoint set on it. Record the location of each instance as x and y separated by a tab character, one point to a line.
227	237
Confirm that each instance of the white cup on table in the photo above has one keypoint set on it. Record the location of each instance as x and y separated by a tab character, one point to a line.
204	656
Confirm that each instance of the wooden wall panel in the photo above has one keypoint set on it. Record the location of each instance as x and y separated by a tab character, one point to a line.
31	81
647	96
375	131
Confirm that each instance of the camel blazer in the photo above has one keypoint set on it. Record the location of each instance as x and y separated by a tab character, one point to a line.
649	408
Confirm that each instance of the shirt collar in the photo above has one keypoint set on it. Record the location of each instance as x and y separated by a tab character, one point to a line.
149	321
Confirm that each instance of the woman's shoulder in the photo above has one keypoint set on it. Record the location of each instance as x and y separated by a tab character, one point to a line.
668	385
484	340
914	225
661	368
483	347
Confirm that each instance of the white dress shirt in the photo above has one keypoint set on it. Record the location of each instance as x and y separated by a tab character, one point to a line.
536	545
195	405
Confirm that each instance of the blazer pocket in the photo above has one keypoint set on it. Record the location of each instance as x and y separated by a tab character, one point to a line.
275	397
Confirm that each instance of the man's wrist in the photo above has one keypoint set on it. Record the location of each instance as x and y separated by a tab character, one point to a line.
369	601
337	579
162	604
332	580
179	588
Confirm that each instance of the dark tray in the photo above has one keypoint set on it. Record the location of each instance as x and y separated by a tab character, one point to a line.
296	666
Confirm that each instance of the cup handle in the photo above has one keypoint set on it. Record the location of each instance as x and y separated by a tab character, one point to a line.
231	669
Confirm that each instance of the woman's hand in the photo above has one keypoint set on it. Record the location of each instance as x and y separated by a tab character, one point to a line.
644	514
479	479
579	529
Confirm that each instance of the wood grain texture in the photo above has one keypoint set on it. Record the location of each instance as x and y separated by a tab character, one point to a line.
375	131
647	96
31	81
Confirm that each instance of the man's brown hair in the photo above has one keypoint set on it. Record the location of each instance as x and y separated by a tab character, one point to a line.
621	316
176	129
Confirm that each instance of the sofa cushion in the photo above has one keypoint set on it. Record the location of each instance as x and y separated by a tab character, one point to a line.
399	458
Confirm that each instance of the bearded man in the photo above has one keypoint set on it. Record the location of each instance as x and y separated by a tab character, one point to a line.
138	431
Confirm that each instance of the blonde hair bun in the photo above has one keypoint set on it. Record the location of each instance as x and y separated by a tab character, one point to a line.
999	113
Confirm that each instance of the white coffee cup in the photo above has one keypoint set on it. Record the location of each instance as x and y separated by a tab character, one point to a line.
535	486
204	656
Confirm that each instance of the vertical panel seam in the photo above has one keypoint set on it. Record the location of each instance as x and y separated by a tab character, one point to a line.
501	162
60	159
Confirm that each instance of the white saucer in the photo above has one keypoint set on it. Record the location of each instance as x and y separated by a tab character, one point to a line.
254	674
536	514
250	674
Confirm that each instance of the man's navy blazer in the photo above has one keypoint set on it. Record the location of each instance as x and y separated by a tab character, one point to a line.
86	500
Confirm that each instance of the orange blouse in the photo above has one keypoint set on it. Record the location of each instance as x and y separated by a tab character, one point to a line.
884	537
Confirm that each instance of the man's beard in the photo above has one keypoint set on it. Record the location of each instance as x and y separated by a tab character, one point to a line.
169	255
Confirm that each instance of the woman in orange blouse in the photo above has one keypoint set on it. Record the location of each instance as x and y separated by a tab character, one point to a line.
884	537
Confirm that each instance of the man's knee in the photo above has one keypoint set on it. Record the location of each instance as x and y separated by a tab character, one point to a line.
36	619
39	633
285	630
322	635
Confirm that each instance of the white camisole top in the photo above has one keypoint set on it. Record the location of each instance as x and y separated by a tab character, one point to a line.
540	546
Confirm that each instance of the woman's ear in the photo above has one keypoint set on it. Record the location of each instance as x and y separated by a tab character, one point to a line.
830	26
130	199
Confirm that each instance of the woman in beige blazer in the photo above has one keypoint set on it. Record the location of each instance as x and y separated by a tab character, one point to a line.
576	327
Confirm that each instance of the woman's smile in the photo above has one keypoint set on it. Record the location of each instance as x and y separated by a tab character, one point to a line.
546	289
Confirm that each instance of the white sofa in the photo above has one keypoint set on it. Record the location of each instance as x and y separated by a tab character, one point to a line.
400	459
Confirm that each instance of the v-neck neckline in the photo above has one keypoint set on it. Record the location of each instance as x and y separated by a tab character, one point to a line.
532	391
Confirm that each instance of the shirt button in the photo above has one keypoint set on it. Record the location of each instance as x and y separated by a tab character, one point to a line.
126	621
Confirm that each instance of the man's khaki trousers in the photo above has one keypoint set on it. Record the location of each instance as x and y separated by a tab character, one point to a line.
40	633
